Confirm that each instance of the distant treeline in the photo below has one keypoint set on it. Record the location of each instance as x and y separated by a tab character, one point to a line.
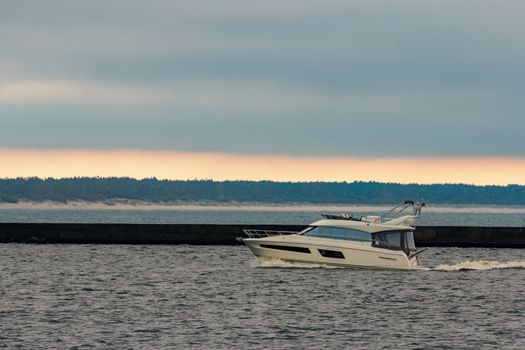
168	191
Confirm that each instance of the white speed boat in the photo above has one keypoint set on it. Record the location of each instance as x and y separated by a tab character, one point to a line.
368	241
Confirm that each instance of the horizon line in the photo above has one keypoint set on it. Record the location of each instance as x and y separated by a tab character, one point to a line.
254	181
222	166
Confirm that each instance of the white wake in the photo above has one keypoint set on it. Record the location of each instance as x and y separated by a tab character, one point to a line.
462	266
265	262
481	265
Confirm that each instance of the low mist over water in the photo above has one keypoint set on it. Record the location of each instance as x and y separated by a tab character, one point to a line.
513	216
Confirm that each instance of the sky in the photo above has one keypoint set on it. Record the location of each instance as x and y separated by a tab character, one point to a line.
430	91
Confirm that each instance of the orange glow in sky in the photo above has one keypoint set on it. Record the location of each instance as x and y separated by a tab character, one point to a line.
223	166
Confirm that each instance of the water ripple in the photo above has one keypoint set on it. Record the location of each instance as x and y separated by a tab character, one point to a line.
169	297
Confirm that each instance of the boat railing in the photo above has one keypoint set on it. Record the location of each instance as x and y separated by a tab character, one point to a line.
266	233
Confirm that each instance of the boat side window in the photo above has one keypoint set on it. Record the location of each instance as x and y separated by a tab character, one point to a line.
323	232
410	245
388	239
355	235
309	228
394	239
339	233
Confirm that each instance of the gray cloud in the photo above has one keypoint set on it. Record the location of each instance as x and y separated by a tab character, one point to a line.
314	77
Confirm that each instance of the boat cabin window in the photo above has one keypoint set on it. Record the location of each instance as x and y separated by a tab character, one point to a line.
410	245
395	240
339	233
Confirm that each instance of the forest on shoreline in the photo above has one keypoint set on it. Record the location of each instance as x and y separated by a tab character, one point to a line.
153	190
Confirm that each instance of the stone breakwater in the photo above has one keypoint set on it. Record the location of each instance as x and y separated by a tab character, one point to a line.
209	234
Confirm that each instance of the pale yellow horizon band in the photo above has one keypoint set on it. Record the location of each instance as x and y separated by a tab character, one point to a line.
177	165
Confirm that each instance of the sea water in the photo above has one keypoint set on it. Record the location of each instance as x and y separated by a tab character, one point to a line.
221	297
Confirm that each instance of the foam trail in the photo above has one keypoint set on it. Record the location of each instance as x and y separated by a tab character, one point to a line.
481	265
462	266
265	262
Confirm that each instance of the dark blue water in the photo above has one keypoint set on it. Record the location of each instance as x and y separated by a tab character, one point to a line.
218	297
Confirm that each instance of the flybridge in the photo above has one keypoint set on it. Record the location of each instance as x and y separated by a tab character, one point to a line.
373	219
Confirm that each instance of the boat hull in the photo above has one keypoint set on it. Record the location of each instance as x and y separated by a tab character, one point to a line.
329	252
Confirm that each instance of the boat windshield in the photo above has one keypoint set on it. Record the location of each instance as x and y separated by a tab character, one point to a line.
338	233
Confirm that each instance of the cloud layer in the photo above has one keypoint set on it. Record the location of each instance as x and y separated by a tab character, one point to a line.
347	78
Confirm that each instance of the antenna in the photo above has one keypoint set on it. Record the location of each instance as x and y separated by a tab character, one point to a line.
417	207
